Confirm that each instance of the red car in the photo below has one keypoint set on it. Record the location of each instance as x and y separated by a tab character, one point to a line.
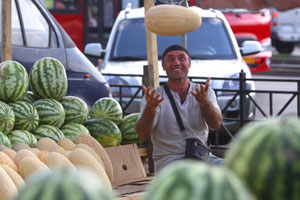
253	25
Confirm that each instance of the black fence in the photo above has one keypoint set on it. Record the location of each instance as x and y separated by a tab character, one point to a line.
243	95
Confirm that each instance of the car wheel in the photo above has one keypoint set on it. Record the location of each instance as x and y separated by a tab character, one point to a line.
285	47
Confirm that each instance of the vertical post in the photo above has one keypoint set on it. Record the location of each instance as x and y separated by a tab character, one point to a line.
151	75
6	30
243	109
152	55
298	99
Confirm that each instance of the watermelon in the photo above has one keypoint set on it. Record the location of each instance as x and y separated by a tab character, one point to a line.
107	108
7	118
127	127
29	97
72	130
48	79
26	116
193	180
104	131
22	136
4	140
50	111
76	110
48	131
65	184
14	81
266	157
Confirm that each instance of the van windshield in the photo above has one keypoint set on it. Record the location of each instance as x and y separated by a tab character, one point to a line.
210	41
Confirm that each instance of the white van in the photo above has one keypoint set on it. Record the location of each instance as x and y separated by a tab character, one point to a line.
285	32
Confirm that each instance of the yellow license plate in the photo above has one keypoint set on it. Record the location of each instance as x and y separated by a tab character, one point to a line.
249	60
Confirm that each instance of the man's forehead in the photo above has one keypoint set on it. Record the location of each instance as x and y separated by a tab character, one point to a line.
176	52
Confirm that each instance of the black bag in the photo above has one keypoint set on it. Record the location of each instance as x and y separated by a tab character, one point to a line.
195	149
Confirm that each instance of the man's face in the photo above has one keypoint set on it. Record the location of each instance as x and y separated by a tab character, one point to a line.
176	64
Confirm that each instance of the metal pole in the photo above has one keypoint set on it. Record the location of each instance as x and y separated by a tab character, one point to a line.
184	36
243	110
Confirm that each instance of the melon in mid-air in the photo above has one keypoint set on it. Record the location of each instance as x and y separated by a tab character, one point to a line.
170	20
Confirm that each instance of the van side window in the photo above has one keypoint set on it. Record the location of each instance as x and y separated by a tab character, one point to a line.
36	27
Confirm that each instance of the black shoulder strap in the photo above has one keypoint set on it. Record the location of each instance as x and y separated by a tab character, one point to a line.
177	115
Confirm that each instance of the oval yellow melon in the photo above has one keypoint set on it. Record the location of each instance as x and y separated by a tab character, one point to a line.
172	20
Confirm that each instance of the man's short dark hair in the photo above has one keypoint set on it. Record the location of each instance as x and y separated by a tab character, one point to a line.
175	47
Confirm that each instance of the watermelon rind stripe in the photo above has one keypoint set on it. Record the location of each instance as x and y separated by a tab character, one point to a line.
73	130
48	131
266	158
48	79
26	116
4	140
50	111
107	108
14	81
79	184
190	179
22	136
76	110
7	118
106	132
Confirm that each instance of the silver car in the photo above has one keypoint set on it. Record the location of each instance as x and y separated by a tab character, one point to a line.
213	48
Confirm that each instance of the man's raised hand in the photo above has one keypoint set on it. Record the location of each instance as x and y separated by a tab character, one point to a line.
153	100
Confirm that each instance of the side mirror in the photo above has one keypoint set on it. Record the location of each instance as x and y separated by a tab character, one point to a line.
250	47
94	49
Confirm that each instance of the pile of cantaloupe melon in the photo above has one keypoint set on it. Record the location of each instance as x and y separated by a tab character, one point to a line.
17	164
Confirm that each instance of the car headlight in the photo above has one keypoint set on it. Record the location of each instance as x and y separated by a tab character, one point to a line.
233	85
115	90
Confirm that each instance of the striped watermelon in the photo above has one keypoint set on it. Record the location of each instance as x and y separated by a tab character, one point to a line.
127	127
7	118
50	111
48	79
29	97
72	130
107	108
65	184
4	140
266	156
14	81
48	131
193	180
104	131
26	116
22	136
76	110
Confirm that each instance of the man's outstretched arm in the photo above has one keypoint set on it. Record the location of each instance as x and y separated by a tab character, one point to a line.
144	125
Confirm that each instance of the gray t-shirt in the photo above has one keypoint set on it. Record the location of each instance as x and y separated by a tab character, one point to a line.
168	141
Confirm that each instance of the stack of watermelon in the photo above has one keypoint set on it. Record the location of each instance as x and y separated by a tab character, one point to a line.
26	116
46	111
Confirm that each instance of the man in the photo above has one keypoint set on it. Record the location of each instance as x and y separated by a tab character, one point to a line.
196	104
